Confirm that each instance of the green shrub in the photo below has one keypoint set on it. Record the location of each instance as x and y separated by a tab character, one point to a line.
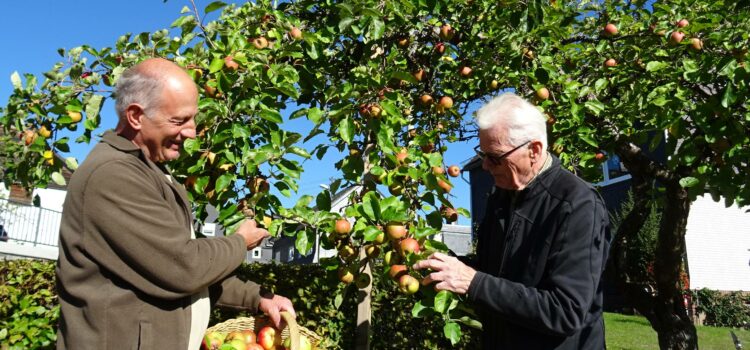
28	305
723	309
29	310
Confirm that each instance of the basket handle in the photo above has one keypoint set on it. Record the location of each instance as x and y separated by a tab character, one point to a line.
293	329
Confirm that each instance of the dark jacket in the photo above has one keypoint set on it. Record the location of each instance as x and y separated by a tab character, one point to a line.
540	258
127	265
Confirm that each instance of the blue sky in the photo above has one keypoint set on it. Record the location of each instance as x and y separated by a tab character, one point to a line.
34	30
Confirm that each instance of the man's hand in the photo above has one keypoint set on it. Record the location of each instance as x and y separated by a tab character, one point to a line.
252	234
272	305
450	273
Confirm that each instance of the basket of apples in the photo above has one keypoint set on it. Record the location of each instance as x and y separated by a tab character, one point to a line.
250	333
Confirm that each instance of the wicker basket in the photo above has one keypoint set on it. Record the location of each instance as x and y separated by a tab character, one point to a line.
291	330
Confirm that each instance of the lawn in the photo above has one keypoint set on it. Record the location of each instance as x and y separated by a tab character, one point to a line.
625	332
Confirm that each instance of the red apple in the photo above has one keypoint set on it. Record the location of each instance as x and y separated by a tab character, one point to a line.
260	43
449	214
465	71
610	63
542	93
610	29
269	338
696	44
438	170
409	246
676	37
403	42
418	74
396	271
682	23
408	284
600	157
254	346
446	32
454	170
446	102
426	99
445	186
395	231
342	227
402	156
295	33
230	63
440	48
212	341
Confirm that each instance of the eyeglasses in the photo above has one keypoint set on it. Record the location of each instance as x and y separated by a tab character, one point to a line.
497	159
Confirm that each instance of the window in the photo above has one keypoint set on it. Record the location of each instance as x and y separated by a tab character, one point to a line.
290	254
256	253
614	171
208	229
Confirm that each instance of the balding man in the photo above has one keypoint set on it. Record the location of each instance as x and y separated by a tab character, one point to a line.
542	245
131	274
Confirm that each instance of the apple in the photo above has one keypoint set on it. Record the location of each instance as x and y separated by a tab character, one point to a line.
391	258
47	154
542	93
610	63
409	246
438	170
342	227
493	84
269	337
396	271
682	23
418	74
446	102
454	170
403	42
440	48
402	156
600	157
676	37
380	238
260	43
528	53
347	252
375	110
210	90
230	63
445	186
345	276
304	342
259	185
449	214
254	346
426	99
610	29
295	33
372	250
696	44
395	230
408	285
427	148
212	341
75	116
446	32
44	132
29	137
465	71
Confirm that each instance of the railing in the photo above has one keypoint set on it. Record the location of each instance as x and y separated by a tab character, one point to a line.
27	224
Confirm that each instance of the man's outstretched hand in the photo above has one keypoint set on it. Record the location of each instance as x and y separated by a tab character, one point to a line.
252	234
272	305
449	273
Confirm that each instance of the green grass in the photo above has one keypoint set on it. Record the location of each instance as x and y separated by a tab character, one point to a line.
625	332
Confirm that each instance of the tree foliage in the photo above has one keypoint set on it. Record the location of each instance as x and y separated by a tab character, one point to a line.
373	78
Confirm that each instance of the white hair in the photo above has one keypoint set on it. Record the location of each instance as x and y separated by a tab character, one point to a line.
522	120
136	86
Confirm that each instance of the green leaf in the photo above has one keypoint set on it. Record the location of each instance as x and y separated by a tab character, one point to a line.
224	181
420	310
303	244
688	181
214	6
371	206
370	233
377	27
93	107
654	66
271	115
452	331
15	79
216	65
299	151
346	130
191	146
443	301
345	23
323	201
58	178
729	96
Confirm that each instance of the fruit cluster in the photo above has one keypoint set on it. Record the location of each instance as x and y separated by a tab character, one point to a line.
267	338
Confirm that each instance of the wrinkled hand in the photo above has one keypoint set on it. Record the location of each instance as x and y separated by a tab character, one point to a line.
252	234
272	305
450	273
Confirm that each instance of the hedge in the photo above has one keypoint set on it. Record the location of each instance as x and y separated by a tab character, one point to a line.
29	309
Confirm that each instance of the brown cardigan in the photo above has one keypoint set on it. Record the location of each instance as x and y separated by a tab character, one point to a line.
127	265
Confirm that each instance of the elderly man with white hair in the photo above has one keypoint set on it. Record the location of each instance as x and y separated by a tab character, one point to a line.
542	244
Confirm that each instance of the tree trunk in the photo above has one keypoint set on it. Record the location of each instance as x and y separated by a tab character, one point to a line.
674	326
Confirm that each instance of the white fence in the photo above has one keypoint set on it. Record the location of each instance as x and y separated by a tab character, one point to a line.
29	225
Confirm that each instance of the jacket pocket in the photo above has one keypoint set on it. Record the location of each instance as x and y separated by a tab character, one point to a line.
144	336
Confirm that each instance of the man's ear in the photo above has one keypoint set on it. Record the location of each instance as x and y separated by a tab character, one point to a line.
134	115
536	149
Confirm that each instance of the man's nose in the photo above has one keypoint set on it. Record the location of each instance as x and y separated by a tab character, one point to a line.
188	131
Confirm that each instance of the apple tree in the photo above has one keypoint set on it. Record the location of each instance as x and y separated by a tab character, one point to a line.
387	86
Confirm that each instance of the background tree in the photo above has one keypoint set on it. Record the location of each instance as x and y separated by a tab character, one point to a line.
388	83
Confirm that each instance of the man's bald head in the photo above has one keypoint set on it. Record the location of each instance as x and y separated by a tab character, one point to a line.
143	84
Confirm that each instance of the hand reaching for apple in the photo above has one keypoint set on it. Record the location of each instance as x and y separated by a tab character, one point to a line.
450	273
272	304
252	234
